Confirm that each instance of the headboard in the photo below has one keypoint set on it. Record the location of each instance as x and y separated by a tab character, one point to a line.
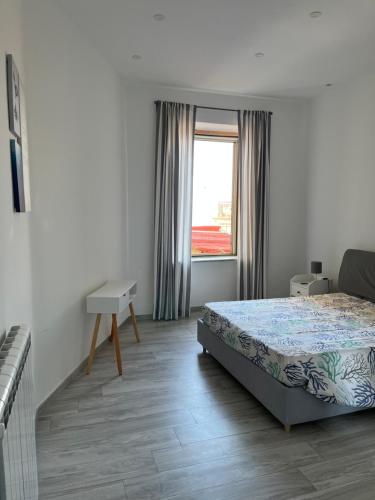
357	274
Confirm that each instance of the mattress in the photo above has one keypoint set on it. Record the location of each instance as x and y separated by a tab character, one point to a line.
323	343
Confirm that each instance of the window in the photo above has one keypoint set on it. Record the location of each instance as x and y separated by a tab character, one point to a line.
214	194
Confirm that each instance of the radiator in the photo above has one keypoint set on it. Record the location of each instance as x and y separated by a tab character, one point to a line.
18	472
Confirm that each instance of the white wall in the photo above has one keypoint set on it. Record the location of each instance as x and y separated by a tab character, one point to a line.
288	192
77	181
213	281
76	235
15	265
341	180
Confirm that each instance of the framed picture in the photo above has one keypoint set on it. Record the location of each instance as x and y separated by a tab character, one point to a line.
14	99
25	151
17	176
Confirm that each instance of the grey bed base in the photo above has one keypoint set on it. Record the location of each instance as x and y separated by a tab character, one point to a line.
290	405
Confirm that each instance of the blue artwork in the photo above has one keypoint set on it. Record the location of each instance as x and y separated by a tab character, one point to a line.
14	98
17	176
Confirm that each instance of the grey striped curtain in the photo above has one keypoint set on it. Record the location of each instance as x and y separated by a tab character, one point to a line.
173	207
254	132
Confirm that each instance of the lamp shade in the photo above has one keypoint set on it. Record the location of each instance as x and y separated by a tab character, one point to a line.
316	267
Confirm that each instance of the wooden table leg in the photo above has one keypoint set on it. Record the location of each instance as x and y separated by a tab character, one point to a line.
117	343
110	338
134	321
93	343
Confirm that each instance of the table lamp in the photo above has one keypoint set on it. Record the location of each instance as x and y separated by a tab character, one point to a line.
316	268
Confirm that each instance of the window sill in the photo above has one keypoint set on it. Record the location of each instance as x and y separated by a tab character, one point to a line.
214	258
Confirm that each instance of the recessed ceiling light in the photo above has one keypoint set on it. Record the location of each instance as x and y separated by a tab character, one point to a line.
315	13
259	54
136	57
159	17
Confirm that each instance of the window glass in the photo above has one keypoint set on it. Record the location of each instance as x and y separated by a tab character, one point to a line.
213	223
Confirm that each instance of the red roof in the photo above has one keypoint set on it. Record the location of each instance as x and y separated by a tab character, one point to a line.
209	240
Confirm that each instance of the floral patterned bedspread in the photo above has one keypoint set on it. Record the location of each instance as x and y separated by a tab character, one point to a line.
324	343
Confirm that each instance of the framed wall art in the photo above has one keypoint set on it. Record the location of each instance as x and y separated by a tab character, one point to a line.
17	176
25	150
14	97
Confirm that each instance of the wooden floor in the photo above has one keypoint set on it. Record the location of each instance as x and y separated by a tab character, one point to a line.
178	426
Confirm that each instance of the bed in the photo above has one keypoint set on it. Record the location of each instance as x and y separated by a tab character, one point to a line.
303	358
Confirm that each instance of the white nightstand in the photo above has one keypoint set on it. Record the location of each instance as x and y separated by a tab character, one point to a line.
307	284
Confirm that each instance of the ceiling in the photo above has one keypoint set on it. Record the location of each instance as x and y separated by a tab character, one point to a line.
210	44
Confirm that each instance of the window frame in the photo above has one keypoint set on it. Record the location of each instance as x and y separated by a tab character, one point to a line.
223	136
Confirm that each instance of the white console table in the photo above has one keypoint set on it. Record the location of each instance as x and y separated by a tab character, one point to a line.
112	298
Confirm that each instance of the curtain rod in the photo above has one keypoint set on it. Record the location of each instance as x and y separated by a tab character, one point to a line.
218	109
222	109
211	107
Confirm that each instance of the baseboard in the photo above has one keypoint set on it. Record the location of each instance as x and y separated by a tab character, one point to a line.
194	309
148	317
144	317
79	369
